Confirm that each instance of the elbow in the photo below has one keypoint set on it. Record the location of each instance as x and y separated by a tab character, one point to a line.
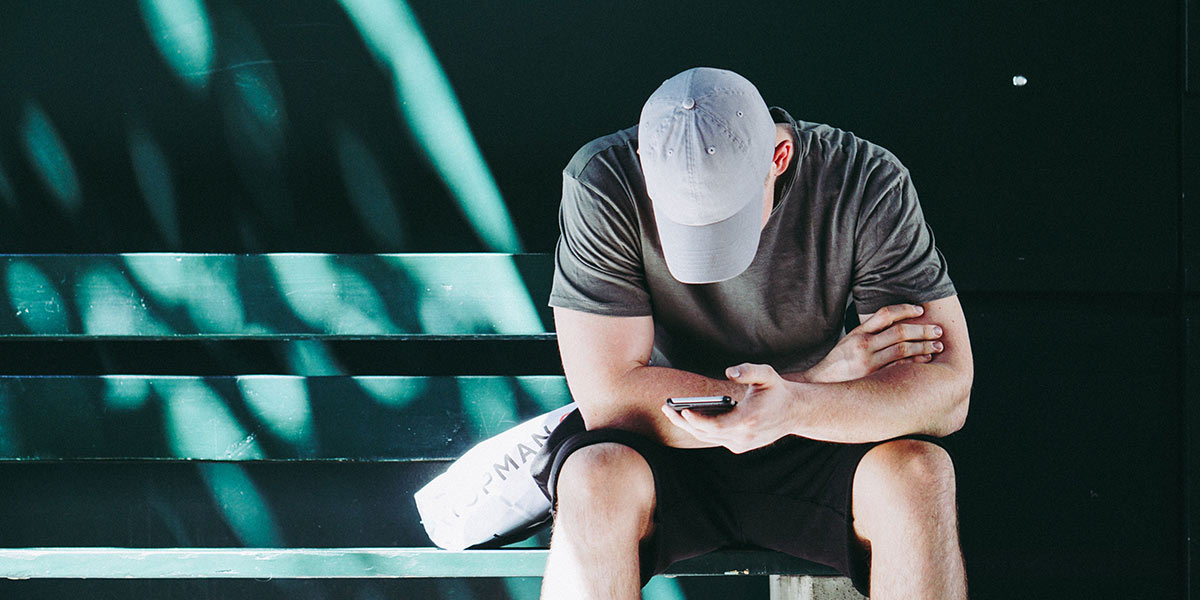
613	409
602	400
599	412
949	422
955	416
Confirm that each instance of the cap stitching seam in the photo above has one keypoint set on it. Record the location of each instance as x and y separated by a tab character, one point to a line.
720	123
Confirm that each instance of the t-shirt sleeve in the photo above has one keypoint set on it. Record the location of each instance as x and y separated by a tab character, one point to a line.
895	258
597	263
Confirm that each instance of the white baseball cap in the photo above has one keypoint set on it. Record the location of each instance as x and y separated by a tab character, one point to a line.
706	139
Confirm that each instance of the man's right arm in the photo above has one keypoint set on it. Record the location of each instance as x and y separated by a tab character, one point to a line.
606	360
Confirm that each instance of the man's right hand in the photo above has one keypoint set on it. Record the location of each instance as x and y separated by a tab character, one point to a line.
882	340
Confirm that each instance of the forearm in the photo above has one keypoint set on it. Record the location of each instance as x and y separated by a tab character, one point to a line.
606	361
633	401
929	399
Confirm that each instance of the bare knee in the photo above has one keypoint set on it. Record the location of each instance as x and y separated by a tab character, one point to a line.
608	483
904	465
903	481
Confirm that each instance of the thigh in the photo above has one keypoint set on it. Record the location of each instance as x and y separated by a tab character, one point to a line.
796	495
690	517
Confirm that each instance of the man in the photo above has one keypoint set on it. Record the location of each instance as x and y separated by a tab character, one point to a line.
712	251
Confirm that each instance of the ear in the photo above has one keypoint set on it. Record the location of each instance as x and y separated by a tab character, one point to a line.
783	156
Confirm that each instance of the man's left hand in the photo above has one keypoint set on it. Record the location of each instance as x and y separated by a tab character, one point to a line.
763	415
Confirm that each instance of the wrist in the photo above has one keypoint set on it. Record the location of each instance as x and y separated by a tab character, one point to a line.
800	407
799	376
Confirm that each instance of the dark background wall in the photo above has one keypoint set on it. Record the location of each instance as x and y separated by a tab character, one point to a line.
1065	207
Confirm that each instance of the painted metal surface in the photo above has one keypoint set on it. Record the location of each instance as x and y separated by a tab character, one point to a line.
328	563
274	296
264	417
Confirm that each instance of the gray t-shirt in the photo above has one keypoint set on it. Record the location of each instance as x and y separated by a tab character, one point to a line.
846	226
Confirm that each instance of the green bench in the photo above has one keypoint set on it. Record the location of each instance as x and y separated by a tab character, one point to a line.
444	343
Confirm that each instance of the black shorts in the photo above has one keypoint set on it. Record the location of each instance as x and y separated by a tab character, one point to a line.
793	496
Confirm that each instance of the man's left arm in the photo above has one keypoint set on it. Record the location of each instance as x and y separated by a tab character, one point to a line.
906	398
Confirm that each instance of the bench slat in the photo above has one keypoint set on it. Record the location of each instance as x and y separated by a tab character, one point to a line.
263	417
329	563
274	296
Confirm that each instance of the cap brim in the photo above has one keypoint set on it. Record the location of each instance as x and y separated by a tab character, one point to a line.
714	252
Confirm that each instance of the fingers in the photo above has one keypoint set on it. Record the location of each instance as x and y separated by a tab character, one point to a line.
905	332
723	429
676	418
886	316
690	421
907	350
749	373
918	359
700	421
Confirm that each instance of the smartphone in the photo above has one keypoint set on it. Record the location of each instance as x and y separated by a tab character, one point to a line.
709	405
